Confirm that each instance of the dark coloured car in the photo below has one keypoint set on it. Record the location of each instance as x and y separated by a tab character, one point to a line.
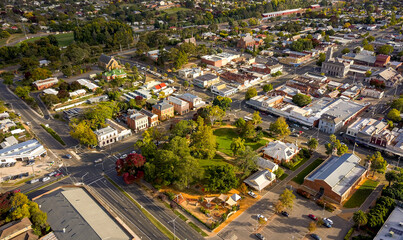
284	213
315	236
260	236
313	217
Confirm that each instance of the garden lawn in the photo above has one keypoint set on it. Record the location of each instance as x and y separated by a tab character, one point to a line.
300	177
361	194
217	160
224	138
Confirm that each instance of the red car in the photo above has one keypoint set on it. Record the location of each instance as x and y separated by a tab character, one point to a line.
313	217
58	174
17	190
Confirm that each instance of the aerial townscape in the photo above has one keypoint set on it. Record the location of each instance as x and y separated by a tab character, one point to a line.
201	119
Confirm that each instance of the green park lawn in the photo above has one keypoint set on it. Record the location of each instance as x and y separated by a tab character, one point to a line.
217	160
64	39
300	177
224	138
175	10
361	194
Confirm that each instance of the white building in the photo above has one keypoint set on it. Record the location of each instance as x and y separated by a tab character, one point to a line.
260	179
27	150
372	92
50	91
194	101
223	90
206	80
190	73
106	136
77	93
280	152
264	163
85	83
137	121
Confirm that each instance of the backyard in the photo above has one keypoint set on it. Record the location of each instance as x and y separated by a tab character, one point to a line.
225	136
361	194
300	177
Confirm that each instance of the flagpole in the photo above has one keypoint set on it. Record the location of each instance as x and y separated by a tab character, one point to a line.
354	147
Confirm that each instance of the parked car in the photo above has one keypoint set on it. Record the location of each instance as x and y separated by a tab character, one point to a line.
17	190
327	224
52	174
34	181
68	156
313	217
284	213
328	220
260	216
58	174
260	236
45	179
123	156
315	236
252	194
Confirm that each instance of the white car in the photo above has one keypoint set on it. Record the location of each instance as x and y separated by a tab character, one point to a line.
98	160
52	174
260	216
45	179
34	181
328	220
252	194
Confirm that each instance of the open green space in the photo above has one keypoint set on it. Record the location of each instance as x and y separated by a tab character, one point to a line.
283	176
300	177
175	10
224	138
64	39
3	41
217	160
361	194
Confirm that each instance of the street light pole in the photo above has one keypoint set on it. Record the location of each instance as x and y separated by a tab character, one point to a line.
82	178
174	220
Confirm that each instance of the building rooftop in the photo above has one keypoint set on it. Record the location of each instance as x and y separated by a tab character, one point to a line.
339	172
162	106
206	77
105	130
81	217
392	229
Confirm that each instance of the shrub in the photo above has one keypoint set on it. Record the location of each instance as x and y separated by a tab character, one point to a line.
303	193
348	235
328	206
170	195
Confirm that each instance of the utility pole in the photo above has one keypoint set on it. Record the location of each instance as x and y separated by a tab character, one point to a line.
82	178
174	220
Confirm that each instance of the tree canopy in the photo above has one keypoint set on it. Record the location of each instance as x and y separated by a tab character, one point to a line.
221	178
301	100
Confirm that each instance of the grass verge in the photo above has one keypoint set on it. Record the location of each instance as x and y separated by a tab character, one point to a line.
23	181
361	194
48	184
150	217
54	134
64	39
195	227
299	164
283	176
300	177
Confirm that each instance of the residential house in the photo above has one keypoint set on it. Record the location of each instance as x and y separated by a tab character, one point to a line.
108	62
163	110
9	141
106	136
137	121
280	152
85	83
264	163
260	180
45	83
205	81
194	101
19	229
152	118
337	177
6	124
190	73
372	92
180	106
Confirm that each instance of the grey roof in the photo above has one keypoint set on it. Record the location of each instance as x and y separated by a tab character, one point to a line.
206	77
162	106
339	172
82	218
105	59
392	224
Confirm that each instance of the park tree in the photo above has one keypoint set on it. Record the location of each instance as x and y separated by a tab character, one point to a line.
360	218
256	118
280	127
246	160
322	58
279	172
83	133
215	113
183	128
223	102
279	207
287	199
221	178
377	163
249	130
391	176
250	93
237	145
49	100
312	144
394	115
301	100
40	73
240	124
267	87
335	144
203	142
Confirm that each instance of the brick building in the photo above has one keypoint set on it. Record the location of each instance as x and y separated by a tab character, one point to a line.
336	178
152	118
45	83
137	121
180	106
163	110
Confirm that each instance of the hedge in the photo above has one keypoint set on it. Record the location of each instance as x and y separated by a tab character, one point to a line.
348	235
54	134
